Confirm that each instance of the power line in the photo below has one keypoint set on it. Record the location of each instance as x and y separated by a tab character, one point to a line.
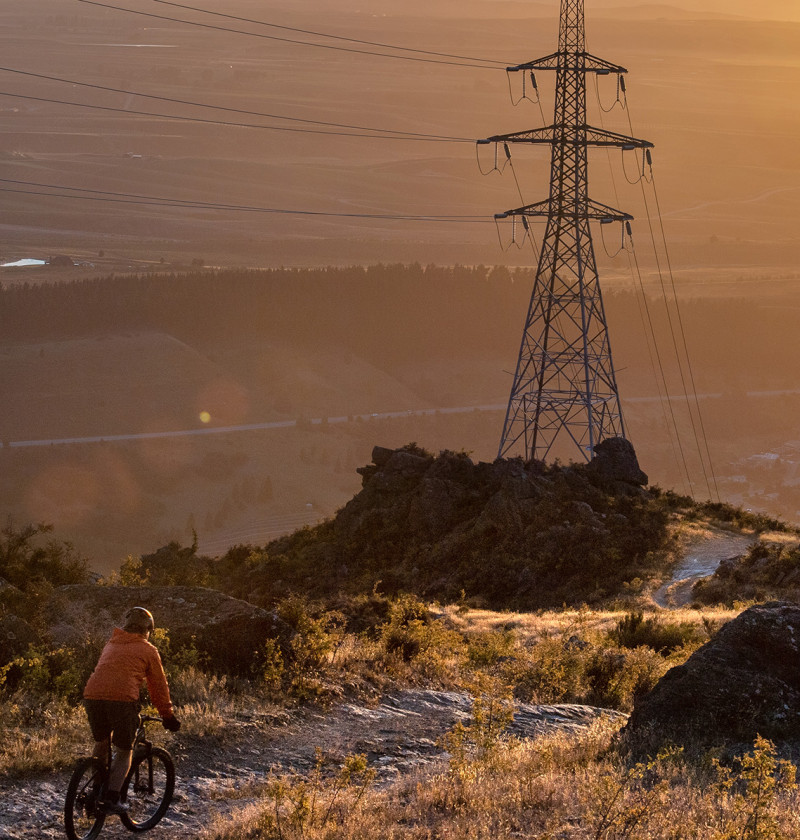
701	450
148	200
228	123
286	40
647	325
686	349
328	35
392	134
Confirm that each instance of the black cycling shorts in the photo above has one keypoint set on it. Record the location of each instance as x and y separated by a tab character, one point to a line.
117	718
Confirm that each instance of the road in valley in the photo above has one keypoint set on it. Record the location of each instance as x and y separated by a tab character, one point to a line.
250	427
318	421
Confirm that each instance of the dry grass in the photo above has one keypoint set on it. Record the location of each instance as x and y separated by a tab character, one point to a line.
531	627
780	537
553	787
40	736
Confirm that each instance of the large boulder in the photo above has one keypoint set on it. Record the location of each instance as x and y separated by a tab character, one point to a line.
227	631
614	461
744	682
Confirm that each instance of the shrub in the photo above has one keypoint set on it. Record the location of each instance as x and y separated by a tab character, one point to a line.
634	630
43	674
34	566
617	678
552	671
406	633
766	571
172	565
749	790
489	647
576	671
317	635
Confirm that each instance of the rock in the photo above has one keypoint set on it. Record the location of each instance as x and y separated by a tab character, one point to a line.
728	566
614	460
744	682
381	455
226	630
16	636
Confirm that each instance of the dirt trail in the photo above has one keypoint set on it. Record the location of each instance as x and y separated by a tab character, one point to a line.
216	774
701	559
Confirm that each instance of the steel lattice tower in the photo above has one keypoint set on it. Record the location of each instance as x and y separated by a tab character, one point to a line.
565	386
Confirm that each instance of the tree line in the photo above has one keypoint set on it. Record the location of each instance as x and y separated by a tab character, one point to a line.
367	309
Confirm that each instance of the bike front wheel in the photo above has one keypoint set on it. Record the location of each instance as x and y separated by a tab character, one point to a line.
83	819
148	789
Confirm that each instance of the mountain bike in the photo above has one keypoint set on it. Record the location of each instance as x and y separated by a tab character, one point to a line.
147	789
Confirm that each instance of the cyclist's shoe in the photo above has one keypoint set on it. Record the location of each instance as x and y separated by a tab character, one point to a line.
108	807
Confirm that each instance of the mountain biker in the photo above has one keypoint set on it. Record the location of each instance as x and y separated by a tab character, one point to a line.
111	698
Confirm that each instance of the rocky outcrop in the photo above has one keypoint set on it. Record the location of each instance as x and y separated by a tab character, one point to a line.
614	461
744	682
227	631
510	533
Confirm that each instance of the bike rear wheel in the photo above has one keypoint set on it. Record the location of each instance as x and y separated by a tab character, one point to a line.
148	789
82	817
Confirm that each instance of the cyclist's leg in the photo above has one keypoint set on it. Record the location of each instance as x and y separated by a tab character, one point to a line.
101	726
120	765
124	718
101	750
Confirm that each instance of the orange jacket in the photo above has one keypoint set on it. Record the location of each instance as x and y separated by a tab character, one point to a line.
126	661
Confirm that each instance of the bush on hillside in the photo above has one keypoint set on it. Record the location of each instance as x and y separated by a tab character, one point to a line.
633	630
722	512
32	565
171	565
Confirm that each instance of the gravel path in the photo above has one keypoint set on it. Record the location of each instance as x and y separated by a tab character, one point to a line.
702	558
398	735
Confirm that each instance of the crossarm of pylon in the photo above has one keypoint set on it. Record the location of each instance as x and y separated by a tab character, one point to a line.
592	210
535	135
601	137
586	62
586	135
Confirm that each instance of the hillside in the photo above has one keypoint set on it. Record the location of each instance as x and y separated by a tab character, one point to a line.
130	361
346	684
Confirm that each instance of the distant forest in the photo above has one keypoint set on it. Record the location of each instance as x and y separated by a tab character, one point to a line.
392	314
380	311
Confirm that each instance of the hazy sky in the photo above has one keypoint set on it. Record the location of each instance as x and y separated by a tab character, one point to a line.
718	97
768	9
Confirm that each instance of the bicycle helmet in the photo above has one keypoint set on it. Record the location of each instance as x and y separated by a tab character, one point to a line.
138	620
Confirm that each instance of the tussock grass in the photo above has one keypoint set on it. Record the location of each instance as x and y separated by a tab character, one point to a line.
529	627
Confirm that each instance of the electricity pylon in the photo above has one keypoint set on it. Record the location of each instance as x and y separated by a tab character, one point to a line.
565	386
